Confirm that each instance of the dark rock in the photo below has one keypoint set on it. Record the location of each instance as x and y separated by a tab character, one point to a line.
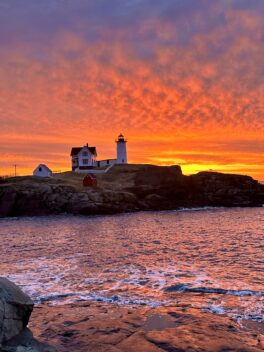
25	342
7	201
15	311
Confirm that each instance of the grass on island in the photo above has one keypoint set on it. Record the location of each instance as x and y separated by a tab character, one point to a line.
117	178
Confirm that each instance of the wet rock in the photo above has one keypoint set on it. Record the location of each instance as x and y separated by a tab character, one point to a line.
29	202
137	342
111	327
261	341
25	342
155	200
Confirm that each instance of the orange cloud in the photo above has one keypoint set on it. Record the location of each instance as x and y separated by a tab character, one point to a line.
198	102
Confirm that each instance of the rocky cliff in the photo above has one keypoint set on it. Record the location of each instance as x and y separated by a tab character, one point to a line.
127	188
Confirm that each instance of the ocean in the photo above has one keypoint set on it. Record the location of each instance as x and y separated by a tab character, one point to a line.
210	259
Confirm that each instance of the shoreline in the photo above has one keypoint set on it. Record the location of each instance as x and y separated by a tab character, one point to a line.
131	212
98	326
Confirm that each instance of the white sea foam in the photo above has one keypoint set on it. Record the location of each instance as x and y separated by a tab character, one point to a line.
199	209
216	309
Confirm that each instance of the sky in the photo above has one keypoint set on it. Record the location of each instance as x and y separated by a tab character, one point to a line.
181	79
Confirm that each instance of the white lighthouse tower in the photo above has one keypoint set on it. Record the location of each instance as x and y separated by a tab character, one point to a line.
121	150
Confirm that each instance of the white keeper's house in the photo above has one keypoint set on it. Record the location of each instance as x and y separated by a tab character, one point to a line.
85	158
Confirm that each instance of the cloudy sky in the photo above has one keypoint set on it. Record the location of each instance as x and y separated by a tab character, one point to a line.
182	79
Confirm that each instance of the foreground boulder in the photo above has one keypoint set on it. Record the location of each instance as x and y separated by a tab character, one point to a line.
15	311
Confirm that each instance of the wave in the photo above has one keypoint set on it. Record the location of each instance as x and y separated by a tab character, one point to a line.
72	297
185	288
54	297
200	208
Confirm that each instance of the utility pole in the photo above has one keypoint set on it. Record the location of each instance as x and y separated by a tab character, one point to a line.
15	169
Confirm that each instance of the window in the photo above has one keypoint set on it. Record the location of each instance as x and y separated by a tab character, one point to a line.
40	169
85	161
85	153
107	162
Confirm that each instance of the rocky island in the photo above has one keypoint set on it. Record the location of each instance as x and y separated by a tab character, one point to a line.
127	188
96	325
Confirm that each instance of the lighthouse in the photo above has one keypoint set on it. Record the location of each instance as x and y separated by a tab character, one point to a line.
121	150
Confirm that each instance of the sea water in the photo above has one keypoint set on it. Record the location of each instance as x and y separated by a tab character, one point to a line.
211	259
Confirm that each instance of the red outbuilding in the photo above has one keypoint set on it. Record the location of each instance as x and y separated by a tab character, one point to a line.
89	181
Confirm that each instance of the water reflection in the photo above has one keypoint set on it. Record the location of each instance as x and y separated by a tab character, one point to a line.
211	259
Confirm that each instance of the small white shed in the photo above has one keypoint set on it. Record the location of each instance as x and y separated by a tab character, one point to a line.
42	171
